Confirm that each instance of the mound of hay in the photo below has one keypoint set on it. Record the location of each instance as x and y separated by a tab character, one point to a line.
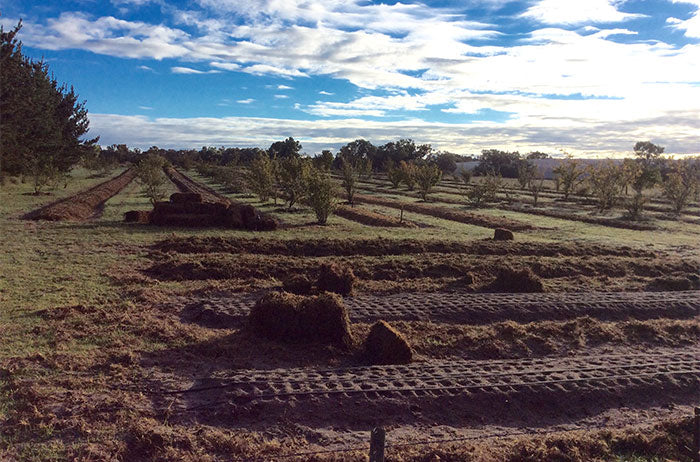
297	319
336	278
500	234
298	284
137	216
247	217
516	281
184	197
386	345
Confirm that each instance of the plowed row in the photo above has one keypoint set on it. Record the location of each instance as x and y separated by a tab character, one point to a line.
231	311
446	390
84	204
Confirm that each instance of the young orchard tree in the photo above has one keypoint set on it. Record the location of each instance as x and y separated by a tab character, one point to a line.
681	183
293	176
526	171
149	172
484	191
321	195
261	177
324	161
605	180
408	174
568	175
394	174
349	175
466	176
536	185
426	177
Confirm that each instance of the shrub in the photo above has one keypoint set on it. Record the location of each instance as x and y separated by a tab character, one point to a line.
385	345
293	178
150	174
321	196
349	175
426	177
606	184
681	182
408	174
336	278
394	174
568	175
261	177
297	319
484	191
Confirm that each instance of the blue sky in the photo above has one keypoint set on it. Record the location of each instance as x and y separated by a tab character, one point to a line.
587	77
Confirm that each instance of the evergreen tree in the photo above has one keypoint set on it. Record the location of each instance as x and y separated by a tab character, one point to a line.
42	122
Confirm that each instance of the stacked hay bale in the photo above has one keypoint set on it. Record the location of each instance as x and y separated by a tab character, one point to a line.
190	210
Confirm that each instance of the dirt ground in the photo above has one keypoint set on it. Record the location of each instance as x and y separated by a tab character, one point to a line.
140	347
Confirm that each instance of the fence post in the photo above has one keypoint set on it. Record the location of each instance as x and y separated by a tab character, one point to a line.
376	445
696	435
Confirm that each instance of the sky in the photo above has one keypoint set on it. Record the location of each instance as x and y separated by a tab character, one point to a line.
587	77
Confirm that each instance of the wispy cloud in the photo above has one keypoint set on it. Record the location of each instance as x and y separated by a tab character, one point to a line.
284	87
188	70
324	92
281	96
577	12
245	101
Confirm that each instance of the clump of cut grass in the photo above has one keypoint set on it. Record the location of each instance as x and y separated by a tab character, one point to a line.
297	319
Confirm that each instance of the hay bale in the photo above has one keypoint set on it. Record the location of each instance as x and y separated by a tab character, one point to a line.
137	216
516	281
500	234
386	345
298	284
336	278
185	197
293	318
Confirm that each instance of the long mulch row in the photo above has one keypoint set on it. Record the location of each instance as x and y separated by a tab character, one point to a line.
448	214
84	204
186	184
370	218
377	247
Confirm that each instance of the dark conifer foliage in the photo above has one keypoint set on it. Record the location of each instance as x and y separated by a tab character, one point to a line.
42	122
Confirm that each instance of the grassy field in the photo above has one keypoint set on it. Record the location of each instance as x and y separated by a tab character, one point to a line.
89	326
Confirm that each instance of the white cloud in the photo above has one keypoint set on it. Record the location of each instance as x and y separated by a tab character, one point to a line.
327	93
281	96
284	87
577	12
189	70
690	26
675	131
146	108
245	101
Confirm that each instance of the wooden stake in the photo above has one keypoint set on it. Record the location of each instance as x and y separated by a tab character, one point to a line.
376	445
696	436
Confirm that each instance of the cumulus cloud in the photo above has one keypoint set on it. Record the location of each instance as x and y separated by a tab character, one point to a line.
577	12
690	26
